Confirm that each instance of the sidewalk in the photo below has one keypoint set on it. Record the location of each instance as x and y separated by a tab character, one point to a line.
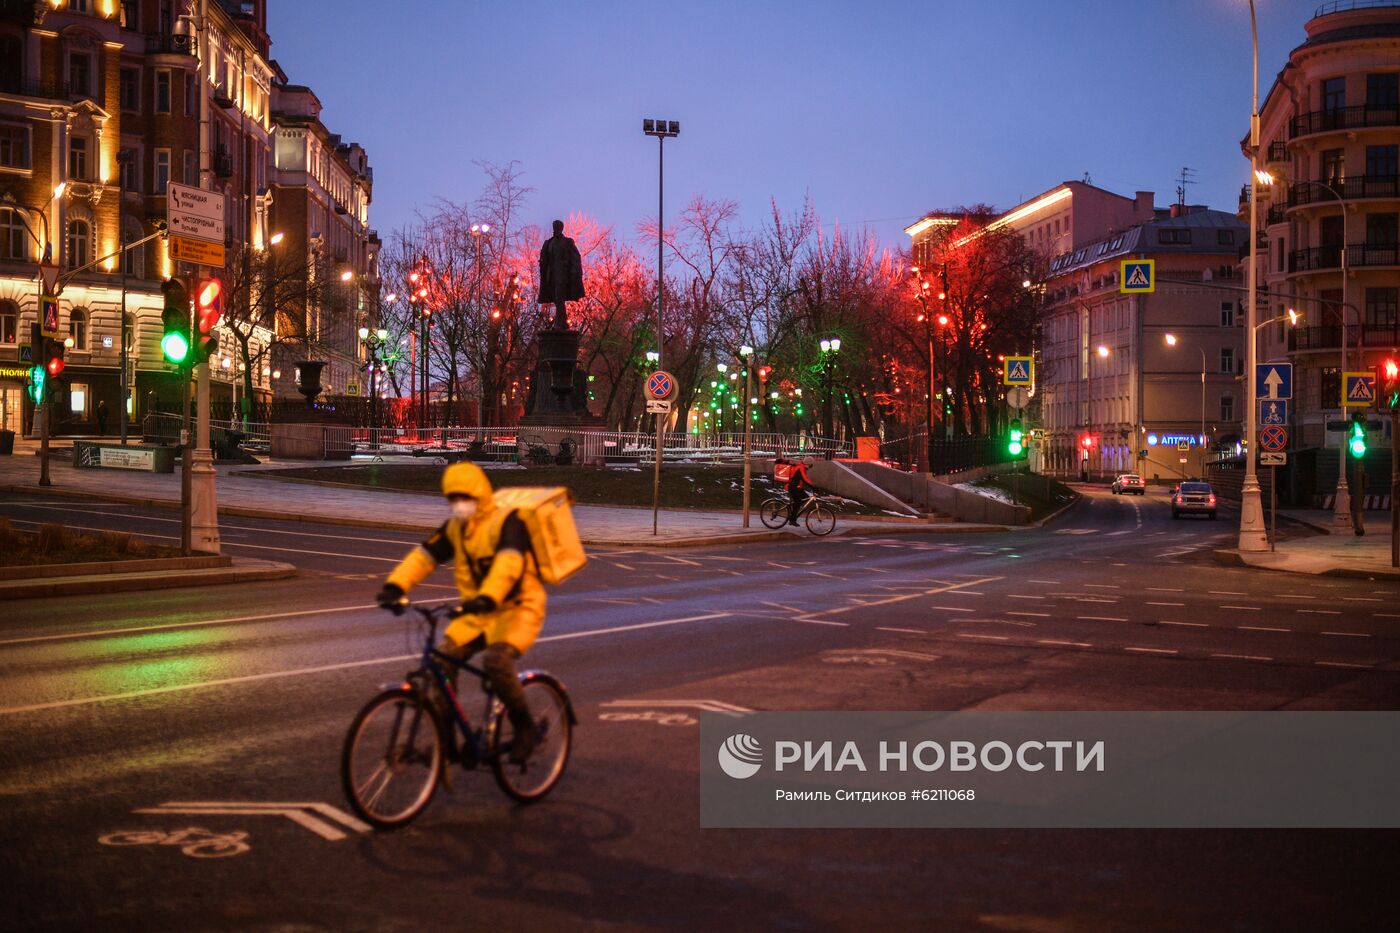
243	494
1338	555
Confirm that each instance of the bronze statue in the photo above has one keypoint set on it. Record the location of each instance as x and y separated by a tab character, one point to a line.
561	274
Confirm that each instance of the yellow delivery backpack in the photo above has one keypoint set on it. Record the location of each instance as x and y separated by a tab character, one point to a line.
548	516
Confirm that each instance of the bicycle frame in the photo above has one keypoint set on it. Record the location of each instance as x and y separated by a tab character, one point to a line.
437	664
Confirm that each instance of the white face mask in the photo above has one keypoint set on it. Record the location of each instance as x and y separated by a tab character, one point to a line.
464	509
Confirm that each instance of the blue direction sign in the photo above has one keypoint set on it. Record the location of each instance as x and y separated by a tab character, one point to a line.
1137	276
1016	371
1273	380
1273	411
1359	389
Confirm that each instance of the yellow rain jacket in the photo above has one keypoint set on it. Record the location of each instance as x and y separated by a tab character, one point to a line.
491	556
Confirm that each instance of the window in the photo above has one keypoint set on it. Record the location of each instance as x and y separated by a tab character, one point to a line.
1227	408
79	243
162	170
77	328
1227	360
11	64
130	89
1334	94
1169	235
1382	229
78	158
132	338
191	168
1330	388
190	102
128	175
9	322
1227	314
13	234
167	17
80	74
162	90
77	399
1225	237
1381	306
14	146
1333	166
1381	161
131	15
133	260
1383	91
78	6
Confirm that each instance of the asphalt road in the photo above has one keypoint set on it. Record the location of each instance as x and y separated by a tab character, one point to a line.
117	704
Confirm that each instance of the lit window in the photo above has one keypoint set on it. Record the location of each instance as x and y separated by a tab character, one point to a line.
77	399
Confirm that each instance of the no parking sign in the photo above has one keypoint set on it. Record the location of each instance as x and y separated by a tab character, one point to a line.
661	385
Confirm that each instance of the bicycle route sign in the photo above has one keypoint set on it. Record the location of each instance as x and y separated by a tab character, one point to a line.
661	385
1273	438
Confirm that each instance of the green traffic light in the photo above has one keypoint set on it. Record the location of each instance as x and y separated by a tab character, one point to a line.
175	346
1358	439
1015	448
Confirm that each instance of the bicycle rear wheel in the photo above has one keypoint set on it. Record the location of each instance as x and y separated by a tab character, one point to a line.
392	759
553	716
773	513
821	520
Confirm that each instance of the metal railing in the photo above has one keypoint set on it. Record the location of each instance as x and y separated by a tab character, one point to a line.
1342	118
949	454
1349	189
1330	257
1329	337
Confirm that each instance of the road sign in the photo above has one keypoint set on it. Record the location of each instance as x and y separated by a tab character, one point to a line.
1273	438
1359	389
1016	397
1272	458
48	315
352	388
1137	276
194	212
657	406
26	353
661	384
1273	411
1017	371
1273	380
199	252
48	278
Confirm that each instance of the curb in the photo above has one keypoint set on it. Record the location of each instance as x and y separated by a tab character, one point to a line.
242	571
1232	558
1078	498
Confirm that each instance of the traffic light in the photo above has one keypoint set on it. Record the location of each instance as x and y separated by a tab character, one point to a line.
209	307
175	341
38	378
1388	383
53	357
1358	435
1086	441
1014	446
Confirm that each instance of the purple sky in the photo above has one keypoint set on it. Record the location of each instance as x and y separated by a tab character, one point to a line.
880	110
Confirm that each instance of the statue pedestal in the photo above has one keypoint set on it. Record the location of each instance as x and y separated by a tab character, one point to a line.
558	394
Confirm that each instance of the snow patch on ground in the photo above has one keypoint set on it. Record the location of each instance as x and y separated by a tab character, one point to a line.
991	492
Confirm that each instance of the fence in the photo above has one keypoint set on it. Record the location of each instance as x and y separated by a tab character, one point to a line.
947	454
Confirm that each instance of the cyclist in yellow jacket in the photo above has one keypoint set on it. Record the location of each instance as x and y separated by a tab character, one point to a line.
494	568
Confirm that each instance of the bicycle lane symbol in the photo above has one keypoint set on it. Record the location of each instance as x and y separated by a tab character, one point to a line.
193	841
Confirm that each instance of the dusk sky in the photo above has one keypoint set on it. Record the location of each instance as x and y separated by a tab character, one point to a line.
880	111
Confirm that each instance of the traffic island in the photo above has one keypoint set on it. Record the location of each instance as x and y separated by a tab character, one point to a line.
126	576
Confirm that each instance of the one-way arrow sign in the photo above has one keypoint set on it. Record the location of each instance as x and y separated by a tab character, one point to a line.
1273	380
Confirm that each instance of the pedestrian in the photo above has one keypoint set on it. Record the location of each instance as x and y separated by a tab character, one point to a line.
102	416
799	487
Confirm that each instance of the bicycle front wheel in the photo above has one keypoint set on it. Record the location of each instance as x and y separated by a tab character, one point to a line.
553	717
773	513
393	758
821	520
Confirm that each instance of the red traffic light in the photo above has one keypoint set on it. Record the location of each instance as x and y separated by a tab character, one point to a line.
209	304
1388	383
55	366
764	372
1086	441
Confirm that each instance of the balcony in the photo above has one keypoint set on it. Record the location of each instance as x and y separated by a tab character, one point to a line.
1342	118
1330	257
1351	189
170	45
1329	337
1278	151
1277	214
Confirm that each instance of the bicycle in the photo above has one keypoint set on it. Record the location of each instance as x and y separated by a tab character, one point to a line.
818	513
402	741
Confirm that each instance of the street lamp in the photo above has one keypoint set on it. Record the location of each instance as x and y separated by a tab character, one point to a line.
1341	512
830	346
746	357
662	130
1201	438
1253	533
373	340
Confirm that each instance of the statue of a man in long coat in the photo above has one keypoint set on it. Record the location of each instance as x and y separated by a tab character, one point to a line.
561	274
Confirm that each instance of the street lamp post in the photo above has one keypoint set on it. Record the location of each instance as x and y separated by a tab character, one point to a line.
830	346
661	129
746	357
1254	535
1201	438
373	340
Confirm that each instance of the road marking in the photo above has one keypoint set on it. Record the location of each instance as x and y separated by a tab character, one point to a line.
1243	657
1293	596
966	593
907	631
1049	582
1165	589
811	621
1343	664
1165	604
985	637
1041	615
1349	634
1022	596
950	588
158	628
709	706
1072	644
1362	599
1225	593
1103	586
1101	618
1320	612
1151	650
1126	531
1262	628
296	812
1191	624
1245	608
193	841
953	608
322	668
1386	615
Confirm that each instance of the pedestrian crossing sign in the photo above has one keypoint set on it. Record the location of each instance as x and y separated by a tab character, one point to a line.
1359	389
1017	371
1137	276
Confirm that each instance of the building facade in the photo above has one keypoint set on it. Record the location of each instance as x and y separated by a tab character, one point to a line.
1330	139
100	106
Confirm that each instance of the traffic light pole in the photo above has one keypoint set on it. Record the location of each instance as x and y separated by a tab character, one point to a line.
1394	486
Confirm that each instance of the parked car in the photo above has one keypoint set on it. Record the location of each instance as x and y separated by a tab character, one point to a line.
1129	482
1193	498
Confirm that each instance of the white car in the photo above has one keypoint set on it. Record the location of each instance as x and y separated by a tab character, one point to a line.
1129	482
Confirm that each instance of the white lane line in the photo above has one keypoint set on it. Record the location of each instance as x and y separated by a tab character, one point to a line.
1349	634
1225	593
966	593
1022	596
1386	615
1039	615
1320	612
936	591
1362	599
811	621
1071	644
1165	589
1102	586
1245	608
67	636
1151	650
907	631
1343	664
1262	628
1101	618
1049	582
1191	624
953	608
1165	604
985	637
1292	596
1243	657
323	668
